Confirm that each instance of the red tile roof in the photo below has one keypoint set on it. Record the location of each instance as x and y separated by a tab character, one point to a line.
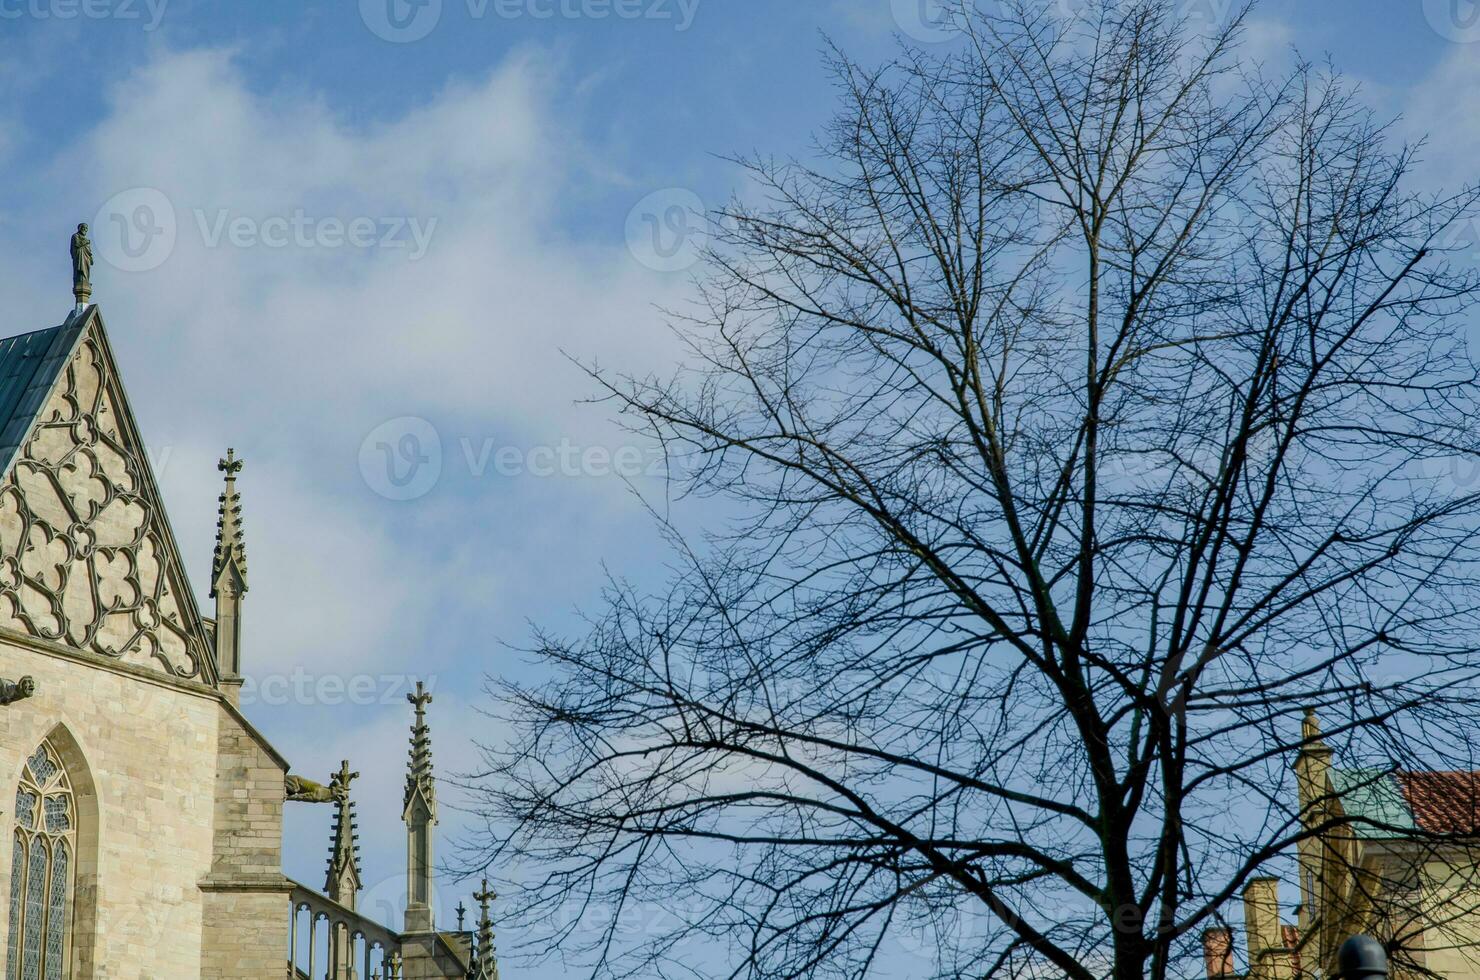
1443	802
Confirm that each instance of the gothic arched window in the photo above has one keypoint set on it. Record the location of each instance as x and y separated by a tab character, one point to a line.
43	853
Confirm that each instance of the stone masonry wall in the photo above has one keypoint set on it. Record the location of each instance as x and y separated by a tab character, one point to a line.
246	895
142	757
246	936
249	804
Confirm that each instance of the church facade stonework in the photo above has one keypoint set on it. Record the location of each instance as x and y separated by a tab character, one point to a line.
144	809
85	555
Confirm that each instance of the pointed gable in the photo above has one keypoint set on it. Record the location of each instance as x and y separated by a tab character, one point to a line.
87	557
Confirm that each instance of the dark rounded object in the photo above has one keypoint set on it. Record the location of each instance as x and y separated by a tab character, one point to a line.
1361	957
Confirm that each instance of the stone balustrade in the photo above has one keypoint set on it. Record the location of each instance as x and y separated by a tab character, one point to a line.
327	941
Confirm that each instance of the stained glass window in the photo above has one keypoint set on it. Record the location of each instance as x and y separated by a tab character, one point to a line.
17	875
56	909
25	808
56	814
41	871
42	766
35	908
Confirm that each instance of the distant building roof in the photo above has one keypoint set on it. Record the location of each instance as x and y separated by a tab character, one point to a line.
1443	802
1392	804
29	366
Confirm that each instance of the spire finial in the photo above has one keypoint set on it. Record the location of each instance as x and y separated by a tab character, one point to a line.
343	881
229	576
1310	727
484	897
420	774
420	815
231	466
486	967
462	913
339	782
231	545
82	260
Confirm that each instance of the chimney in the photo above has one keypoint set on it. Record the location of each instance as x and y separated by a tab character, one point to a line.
1292	943
1312	766
1313	784
1262	916
1268	958
1218	952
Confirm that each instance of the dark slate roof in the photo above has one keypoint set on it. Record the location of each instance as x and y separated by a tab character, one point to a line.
29	366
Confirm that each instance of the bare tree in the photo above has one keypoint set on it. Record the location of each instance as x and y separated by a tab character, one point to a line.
1092	408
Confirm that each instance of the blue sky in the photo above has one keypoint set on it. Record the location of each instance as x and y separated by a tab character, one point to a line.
341	248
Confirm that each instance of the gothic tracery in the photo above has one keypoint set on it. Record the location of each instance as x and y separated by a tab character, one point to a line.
83	553
41	870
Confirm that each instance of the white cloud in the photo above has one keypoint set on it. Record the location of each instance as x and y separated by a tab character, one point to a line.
483	167
1269	44
1437	109
293	354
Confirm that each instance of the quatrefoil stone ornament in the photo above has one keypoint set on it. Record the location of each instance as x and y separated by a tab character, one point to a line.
85	557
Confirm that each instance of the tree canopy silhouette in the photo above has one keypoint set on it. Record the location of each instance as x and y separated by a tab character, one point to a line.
1093	405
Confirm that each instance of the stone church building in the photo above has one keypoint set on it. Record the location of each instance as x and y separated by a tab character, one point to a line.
147	817
1393	854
